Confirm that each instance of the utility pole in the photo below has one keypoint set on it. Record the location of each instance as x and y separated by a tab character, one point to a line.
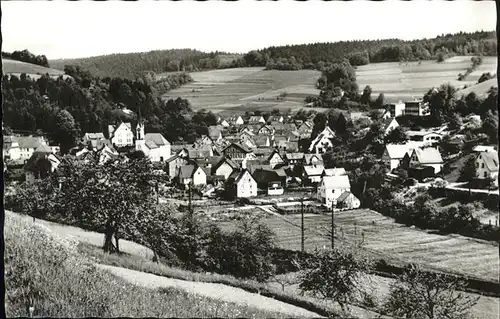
333	228
302	239
190	208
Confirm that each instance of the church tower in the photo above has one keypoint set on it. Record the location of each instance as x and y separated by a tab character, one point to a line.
140	143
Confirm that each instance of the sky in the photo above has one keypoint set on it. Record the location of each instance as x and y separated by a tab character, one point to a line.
62	29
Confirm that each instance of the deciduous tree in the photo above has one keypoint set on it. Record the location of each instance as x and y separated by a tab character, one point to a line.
333	275
419	294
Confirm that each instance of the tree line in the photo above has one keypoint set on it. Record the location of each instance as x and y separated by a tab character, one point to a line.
131	65
361	52
65	109
28	57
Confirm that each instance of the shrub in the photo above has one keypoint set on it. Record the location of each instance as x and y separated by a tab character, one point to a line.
244	253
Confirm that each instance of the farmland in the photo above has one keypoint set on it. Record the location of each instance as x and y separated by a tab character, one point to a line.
247	89
392	241
403	81
250	89
33	70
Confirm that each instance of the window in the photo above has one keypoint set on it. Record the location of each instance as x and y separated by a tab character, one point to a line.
477	164
482	165
485	174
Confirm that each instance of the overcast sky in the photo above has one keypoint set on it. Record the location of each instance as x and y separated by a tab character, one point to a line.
61	29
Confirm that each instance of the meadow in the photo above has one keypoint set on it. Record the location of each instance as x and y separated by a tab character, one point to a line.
234	91
406	81
33	70
381	237
46	271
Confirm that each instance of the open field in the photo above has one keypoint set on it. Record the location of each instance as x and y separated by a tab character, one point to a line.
408	80
384	237
234	91
34	71
480	89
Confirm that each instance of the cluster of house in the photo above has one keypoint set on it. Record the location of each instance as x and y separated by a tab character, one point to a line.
248	157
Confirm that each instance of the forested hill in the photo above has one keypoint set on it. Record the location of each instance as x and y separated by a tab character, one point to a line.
290	57
371	51
131	65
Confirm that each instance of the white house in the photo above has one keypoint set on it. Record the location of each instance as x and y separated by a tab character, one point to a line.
199	176
153	145
88	137
236	120
331	187
428	156
311	159
388	125
322	143
225	123
192	174
225	168
275	118
487	166
394	153
173	164
243	184
256	119
121	135
335	171
275	159
313	173
348	200
424	136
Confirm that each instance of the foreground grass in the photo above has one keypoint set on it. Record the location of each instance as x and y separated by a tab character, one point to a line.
147	266
48	273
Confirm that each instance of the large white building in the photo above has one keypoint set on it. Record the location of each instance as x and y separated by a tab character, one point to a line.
153	145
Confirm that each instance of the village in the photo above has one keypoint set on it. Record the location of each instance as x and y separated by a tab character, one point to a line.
264	159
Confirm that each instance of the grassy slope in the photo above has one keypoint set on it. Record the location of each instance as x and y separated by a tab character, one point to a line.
18	67
48	270
405	81
480	89
238	90
241	89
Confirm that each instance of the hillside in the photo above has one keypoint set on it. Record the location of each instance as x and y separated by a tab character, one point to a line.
248	89
238	90
403	81
480	89
47	271
289	57
34	71
130	65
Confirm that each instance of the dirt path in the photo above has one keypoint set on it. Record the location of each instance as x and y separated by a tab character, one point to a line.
211	290
88	237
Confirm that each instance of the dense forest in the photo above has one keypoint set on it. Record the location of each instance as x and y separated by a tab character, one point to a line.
28	57
290	57
131	65
307	56
65	109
